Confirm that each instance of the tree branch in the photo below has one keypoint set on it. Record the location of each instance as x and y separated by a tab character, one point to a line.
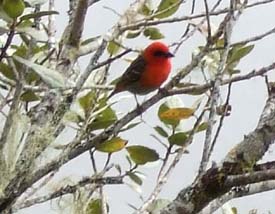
71	189
241	158
187	18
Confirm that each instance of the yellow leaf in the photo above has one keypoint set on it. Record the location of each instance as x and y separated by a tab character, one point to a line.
110	146
177	113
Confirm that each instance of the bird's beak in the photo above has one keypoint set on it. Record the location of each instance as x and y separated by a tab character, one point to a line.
169	55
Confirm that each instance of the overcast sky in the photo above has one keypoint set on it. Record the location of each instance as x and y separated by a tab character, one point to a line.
247	101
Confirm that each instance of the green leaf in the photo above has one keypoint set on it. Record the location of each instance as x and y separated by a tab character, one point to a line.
29	96
113	48
179	139
236	53
130	126
145	10
13	8
20	50
164	107
241	52
234	210
177	113
202	127
7	71
94	207
86	101
220	43
114	145
142	155
72	117
49	76
32	77
161	131
167	8
153	33
133	34
134	177
25	23
104	119
233	71
38	15
90	40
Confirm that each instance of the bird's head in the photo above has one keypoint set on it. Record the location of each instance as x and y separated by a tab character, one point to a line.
157	52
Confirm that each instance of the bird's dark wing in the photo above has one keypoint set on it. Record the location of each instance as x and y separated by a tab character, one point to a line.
131	76
134	71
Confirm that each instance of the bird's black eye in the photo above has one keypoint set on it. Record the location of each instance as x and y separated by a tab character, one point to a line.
159	53
163	54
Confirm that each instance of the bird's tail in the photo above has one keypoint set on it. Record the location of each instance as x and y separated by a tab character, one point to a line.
118	88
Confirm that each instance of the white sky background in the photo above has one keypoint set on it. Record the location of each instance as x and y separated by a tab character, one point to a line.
247	101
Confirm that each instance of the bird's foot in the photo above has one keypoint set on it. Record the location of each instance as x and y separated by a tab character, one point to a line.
139	108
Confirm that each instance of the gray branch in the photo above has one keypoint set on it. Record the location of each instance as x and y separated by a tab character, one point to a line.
217	181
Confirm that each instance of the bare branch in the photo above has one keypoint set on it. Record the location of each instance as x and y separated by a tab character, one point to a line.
250	189
187	18
207	19
51	26
8	41
70	189
225	111
214	183
205	87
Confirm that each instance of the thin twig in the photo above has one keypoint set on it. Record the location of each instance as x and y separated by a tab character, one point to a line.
8	41
14	106
187	18
70	189
165	161
215	94
207	19
104	209
163	177
255	38
51	27
221	121
92	65
187	35
93	160
91	2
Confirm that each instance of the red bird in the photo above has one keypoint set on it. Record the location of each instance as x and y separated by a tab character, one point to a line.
147	72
